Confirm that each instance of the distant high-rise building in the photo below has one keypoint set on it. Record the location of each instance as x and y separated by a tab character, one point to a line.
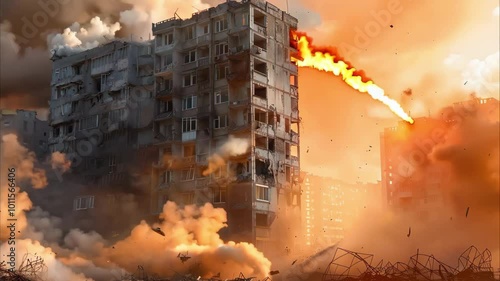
409	183
330	207
226	72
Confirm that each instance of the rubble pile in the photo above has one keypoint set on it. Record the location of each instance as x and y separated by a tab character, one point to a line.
353	266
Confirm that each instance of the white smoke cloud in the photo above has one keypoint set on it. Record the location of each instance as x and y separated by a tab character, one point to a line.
496	11
479	76
233	147
77	37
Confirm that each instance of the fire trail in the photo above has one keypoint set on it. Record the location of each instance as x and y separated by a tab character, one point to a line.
328	61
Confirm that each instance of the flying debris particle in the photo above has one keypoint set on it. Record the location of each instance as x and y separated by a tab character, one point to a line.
409	232
466	82
159	231
183	258
294	262
408	92
467	212
274	272
392	26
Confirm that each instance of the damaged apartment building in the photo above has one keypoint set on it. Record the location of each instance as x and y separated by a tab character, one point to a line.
101	114
226	73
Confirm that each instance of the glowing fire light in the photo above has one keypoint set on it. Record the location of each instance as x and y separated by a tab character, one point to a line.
326	61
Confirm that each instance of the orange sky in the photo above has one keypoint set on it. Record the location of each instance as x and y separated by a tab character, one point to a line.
340	124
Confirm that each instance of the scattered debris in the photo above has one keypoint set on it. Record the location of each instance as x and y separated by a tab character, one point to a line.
294	262
352	266
274	272
32	267
466	82
467	212
183	258
409	232
159	231
392	26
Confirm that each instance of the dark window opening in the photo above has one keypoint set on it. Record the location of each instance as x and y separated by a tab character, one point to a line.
261	220
260	91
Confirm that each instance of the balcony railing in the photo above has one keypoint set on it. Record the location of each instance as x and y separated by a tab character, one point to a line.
203	39
294	91
294	160
189	136
166	115
295	114
238	103
201	62
165	69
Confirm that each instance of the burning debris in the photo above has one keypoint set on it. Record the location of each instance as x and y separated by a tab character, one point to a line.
348	265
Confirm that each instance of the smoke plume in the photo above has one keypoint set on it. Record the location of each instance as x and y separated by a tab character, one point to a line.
77	38
190	232
233	147
59	162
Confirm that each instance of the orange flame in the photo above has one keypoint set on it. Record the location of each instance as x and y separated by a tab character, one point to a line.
329	61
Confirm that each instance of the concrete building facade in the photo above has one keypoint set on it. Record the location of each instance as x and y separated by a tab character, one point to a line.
330	207
30	130
101	114
226	73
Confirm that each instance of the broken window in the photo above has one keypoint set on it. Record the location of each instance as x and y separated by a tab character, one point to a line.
165	106
270	145
260	91
260	67
261	220
293	80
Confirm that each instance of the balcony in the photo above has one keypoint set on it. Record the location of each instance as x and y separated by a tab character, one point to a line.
261	153
188	136
204	85
161	139
260	29
166	115
203	40
264	129
202	159
203	111
203	62
259	51
165	93
294	137
235	127
188	160
295	114
165	70
294	161
294	91
238	104
260	77
164	48
259	102
101	69
190	43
